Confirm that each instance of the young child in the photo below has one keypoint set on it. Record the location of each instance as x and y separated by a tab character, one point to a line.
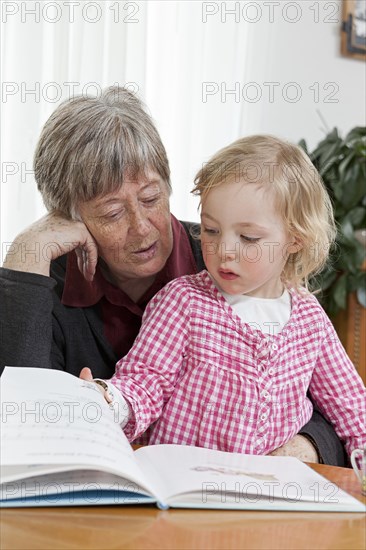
225	358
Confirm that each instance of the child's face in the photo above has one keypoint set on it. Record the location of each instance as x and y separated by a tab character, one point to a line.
244	243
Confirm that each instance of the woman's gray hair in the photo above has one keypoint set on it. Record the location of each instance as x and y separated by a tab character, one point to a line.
89	145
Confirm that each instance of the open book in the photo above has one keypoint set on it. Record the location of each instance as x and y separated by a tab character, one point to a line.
61	446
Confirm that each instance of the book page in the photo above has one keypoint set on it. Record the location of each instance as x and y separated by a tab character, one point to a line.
76	486
51	418
198	477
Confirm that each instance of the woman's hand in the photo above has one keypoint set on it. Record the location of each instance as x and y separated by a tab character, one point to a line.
299	447
48	238
86	374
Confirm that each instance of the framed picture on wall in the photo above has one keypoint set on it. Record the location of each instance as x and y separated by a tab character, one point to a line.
353	42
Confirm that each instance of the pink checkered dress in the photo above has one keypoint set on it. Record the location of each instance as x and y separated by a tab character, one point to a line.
208	379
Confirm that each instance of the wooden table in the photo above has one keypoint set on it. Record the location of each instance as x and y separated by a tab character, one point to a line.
146	527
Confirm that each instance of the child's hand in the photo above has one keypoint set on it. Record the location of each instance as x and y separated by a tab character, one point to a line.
86	374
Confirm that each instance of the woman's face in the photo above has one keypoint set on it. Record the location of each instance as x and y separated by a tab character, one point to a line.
132	228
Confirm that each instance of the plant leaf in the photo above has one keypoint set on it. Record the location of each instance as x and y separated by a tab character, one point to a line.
329	157
356	133
354	188
341	163
355	216
340	291
302	144
347	229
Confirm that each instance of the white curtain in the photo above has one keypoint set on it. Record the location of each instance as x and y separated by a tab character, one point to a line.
185	59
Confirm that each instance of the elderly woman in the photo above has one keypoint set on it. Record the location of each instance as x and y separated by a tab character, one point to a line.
75	284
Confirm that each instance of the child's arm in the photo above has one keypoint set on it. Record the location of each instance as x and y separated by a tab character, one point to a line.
338	391
147	375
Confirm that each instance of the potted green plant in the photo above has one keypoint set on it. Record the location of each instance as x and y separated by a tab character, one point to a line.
342	165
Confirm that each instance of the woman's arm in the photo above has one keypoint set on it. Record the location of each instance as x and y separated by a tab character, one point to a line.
339	392
29	328
317	441
25	319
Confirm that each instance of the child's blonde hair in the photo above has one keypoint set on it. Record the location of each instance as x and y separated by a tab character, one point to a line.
300	195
